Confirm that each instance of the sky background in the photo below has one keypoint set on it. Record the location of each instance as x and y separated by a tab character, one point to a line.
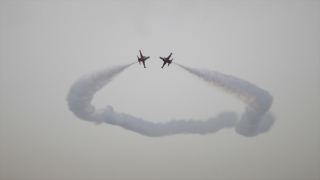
47	45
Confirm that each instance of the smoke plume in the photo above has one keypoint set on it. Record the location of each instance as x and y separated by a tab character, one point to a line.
254	120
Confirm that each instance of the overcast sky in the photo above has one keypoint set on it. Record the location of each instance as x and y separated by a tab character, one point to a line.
47	45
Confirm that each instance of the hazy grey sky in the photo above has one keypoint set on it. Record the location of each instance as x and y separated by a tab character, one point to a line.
47	45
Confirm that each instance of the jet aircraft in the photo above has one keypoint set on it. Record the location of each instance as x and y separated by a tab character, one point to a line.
166	60
142	58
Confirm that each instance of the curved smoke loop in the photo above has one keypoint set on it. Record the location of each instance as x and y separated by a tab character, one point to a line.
253	121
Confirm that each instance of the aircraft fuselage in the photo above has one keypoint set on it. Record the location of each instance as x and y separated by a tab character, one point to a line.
166	60
142	58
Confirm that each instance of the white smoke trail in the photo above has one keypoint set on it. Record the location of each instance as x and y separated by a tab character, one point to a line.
81	94
212	125
82	91
254	120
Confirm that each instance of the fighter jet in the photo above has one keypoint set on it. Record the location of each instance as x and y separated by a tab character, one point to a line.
142	58
166	60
